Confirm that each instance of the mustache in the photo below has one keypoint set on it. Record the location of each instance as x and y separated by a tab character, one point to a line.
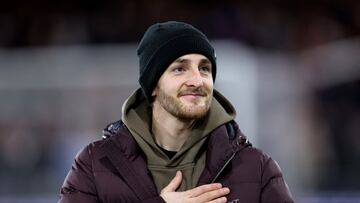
193	91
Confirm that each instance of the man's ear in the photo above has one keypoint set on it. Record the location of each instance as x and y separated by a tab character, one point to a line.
154	92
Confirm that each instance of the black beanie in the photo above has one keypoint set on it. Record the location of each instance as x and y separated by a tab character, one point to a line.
162	44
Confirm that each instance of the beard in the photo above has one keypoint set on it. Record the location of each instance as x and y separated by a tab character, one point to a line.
186	110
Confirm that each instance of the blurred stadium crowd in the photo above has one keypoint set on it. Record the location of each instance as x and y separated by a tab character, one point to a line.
275	24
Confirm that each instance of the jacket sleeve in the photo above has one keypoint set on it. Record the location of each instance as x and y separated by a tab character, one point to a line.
79	186
274	187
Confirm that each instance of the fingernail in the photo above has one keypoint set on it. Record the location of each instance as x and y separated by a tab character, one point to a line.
225	189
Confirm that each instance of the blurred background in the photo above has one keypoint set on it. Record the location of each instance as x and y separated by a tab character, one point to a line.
291	69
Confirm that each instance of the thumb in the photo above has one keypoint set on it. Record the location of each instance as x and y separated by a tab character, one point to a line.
174	183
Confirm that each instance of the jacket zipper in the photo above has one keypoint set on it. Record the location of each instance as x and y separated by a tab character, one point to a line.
223	167
226	163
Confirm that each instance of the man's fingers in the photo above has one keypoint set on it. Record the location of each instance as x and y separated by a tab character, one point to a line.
203	189
213	195
210	193
174	183
219	200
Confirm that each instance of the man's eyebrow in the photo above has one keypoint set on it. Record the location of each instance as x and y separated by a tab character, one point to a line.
182	60
202	61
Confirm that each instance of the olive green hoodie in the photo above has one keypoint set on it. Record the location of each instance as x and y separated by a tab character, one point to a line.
190	159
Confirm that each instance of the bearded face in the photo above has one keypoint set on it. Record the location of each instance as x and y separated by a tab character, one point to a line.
188	103
185	89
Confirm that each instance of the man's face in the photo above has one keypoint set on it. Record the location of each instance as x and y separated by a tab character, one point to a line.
185	89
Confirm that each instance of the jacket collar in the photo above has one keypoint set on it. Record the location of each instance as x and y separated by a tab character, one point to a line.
129	161
221	149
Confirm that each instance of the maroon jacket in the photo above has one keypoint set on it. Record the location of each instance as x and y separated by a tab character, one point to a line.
114	170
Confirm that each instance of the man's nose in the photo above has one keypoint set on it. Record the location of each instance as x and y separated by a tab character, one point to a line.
195	79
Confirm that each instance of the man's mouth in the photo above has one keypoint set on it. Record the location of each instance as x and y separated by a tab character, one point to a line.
192	96
192	93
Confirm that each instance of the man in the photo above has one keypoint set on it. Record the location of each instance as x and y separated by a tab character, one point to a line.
177	140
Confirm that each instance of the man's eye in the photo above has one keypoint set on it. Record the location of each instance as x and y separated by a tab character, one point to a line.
204	69
178	70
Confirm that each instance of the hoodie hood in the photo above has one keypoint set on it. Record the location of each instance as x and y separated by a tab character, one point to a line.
136	113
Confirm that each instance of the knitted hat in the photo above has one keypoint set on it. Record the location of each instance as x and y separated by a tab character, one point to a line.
162	44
